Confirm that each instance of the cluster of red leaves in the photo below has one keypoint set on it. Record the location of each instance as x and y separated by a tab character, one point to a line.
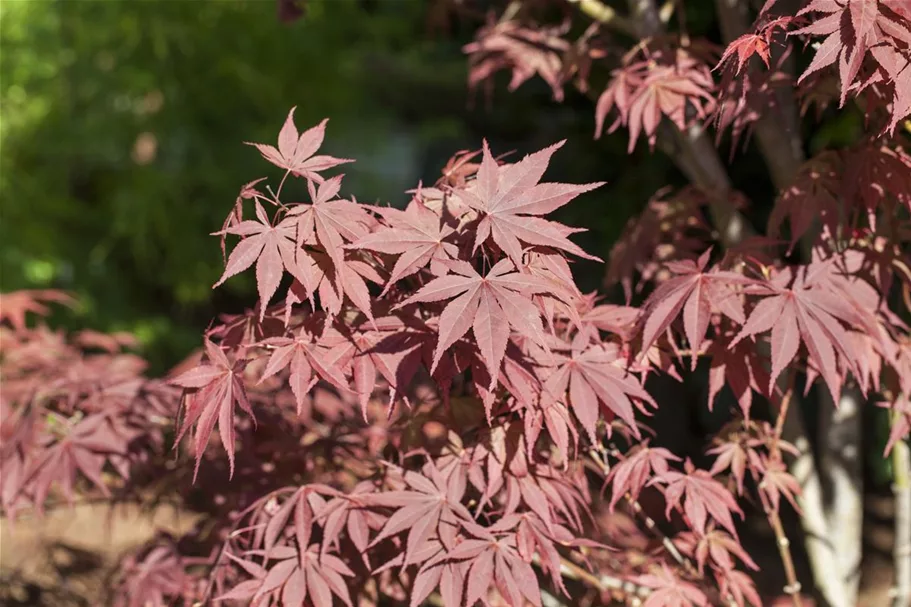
474	323
462	307
869	41
850	187
527	50
652	84
77	414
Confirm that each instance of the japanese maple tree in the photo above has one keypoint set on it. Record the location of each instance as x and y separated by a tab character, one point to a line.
422	407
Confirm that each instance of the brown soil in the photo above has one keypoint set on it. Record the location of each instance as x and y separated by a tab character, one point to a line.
67	557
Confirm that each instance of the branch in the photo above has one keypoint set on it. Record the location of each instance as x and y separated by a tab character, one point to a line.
606	15
649	522
601	582
777	133
784	550
781	538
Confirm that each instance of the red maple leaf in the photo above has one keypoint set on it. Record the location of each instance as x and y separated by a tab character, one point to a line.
808	314
508	198
669	590
430	509
272	248
777	482
697	293
492	558
298	577
329	222
85	447
524	50
731	454
701	495
632	473
17	304
488	305
213	389
756	43
740	586
295	152
154	578
349	512
416	235
303	355
458	169
715	544
592	374
745	47
678	87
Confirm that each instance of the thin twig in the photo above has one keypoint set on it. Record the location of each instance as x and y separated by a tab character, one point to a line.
602	582
781	538
649	522
784	551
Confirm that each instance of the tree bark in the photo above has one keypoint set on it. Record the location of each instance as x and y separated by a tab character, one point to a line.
813	520
778	129
841	463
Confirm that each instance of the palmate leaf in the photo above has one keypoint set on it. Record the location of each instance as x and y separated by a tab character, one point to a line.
304	355
213	389
524	50
295	579
673	85
153	578
591	374
295	153
273	250
716	545
669	590
488	305
491	557
430	509
739	586
17	304
804	313
83	451
416	235
632	473
698	294
509	198
329	222
701	496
